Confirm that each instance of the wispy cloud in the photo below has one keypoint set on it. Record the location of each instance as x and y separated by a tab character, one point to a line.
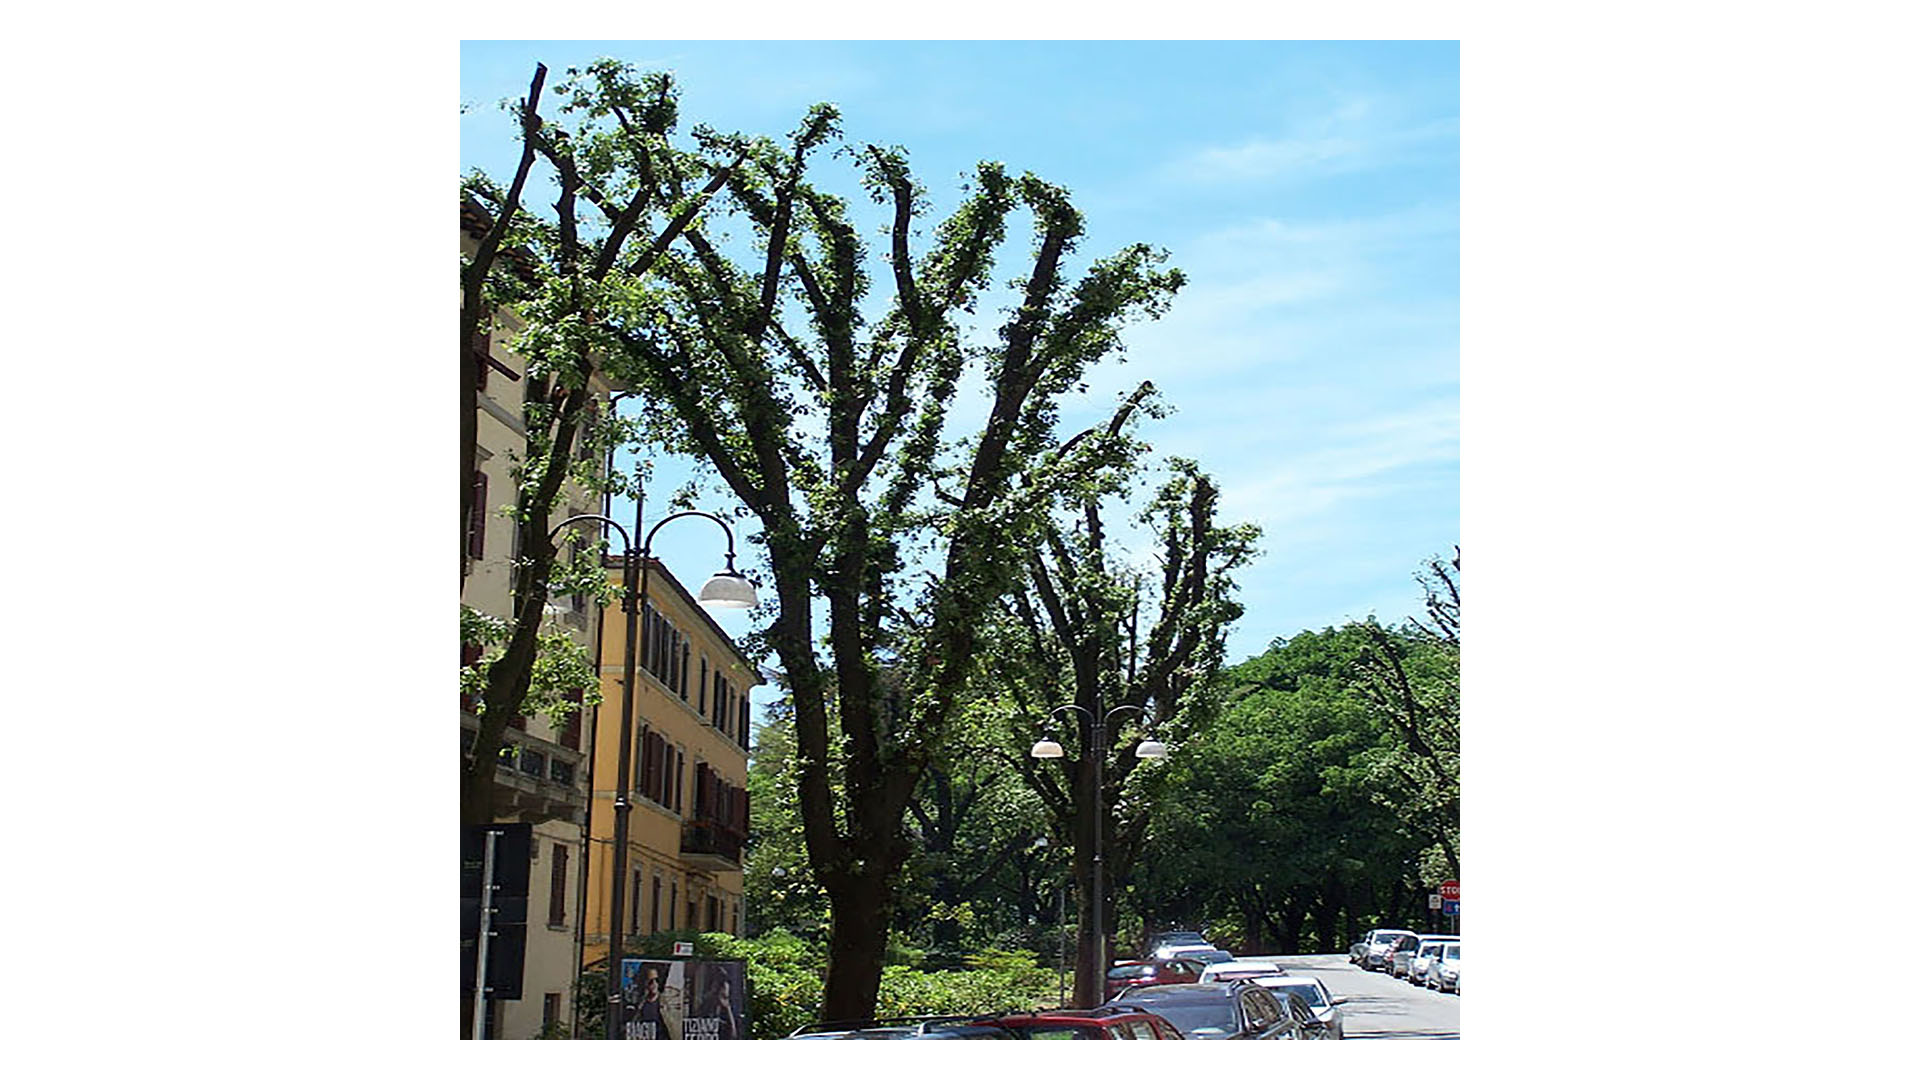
1358	135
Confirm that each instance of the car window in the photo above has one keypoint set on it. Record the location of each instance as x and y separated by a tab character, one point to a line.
1453	952
1129	971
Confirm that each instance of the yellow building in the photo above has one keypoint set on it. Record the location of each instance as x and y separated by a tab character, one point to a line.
688	763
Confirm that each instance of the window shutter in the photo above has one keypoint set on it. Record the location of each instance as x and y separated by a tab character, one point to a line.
477	522
703	686
557	892
741	733
570	734
481	354
686	663
646	764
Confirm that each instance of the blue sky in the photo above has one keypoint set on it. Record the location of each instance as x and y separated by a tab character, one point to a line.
1310	191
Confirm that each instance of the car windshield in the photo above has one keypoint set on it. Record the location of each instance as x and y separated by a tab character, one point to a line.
1452	953
1188	1015
1306	992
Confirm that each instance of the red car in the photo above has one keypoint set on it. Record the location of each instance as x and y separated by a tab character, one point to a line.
1105	1022
1151	973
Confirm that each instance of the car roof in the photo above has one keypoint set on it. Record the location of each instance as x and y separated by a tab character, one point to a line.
1180	990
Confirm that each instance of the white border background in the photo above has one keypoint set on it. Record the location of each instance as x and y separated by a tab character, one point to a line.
1688	352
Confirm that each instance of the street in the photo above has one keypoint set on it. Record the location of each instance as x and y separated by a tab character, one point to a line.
1378	1006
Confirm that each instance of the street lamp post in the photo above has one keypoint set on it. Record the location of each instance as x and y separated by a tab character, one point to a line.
1097	756
726	589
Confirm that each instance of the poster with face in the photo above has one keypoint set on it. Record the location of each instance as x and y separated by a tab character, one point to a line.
683	999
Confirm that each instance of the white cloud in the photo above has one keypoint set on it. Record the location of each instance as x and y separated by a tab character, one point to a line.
1351	139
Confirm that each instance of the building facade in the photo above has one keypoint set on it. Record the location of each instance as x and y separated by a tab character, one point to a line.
688	758
543	776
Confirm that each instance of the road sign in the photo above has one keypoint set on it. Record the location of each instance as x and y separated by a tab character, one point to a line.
1433	901
1449	890
683	948
1450	907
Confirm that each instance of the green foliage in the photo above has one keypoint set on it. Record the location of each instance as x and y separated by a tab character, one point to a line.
994	981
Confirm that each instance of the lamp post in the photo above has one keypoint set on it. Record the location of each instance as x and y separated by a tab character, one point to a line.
1097	755
726	589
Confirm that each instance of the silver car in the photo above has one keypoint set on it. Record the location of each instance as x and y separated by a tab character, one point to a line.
1313	994
1379	943
1428	952
1444	973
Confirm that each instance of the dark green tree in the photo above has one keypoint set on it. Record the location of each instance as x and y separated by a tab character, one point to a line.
1074	634
888	534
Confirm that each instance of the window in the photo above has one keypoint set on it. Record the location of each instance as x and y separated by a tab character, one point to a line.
562	773
656	903
713	913
570	728
740	733
477	520
686	663
549	1012
479	347
533	762
557	889
673	901
703	686
633	910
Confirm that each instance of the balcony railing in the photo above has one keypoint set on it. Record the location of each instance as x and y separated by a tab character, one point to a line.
710	842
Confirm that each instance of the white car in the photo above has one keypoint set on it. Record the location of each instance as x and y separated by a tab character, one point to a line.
1204	954
1428	952
1313	994
1229	970
1379	943
1444	973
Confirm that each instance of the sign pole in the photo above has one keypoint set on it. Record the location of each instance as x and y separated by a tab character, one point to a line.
480	946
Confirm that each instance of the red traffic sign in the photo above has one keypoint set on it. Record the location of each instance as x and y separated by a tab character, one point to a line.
1449	890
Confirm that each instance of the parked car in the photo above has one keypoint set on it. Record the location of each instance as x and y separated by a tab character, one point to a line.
907	1027
1444	973
1105	1022
1401	955
1312	993
1200	954
1223	1010
1429	951
1151	973
1175	938
1228	970
1378	943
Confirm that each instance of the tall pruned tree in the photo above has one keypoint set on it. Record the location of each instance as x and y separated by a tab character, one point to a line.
889	532
568	275
1073	634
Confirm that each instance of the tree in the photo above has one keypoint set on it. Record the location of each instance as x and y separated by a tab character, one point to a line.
1411	679
578	269
1073	634
833	432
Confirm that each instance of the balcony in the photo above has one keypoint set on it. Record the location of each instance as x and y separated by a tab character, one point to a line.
537	779
708	845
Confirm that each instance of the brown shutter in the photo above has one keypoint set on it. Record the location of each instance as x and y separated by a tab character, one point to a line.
481	353
477	521
557	891
570	734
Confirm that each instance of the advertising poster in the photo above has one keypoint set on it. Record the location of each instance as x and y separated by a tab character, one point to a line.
684	999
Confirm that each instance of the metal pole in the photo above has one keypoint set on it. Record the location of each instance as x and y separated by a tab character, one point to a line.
486	931
1063	943
1096	991
622	805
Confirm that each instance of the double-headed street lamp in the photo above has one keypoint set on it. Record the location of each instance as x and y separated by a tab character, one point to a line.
726	589
1097	754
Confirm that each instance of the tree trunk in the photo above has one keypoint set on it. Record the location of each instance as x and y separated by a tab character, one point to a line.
862	915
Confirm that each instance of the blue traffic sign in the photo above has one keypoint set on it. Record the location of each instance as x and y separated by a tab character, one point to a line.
1449	907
